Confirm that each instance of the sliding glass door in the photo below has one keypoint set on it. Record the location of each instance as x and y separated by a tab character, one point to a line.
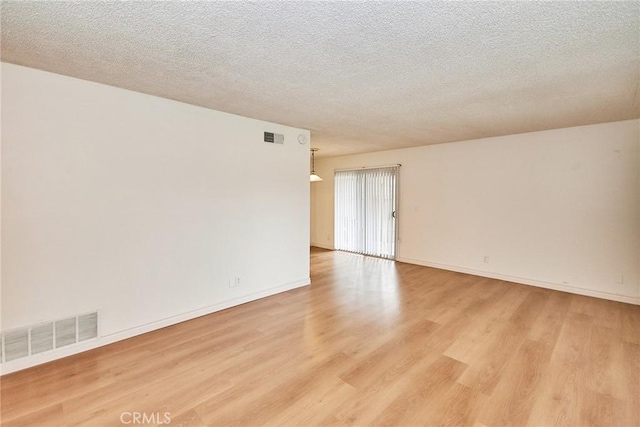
365	211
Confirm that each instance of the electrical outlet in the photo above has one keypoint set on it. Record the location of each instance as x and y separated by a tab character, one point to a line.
620	280
486	259
234	281
328	237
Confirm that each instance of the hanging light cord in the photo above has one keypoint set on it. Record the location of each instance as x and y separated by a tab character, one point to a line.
313	161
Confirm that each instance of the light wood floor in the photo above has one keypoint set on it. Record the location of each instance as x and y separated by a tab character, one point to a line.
371	342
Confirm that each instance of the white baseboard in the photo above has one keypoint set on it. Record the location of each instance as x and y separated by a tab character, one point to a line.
323	246
28	362
532	282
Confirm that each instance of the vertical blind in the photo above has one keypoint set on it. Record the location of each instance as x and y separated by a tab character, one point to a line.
365	203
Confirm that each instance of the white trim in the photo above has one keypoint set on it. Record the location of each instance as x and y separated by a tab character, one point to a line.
396	214
38	359
532	282
322	246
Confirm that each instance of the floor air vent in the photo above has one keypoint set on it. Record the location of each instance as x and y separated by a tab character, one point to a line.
43	337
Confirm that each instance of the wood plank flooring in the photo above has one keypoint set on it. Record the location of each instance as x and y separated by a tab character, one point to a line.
371	342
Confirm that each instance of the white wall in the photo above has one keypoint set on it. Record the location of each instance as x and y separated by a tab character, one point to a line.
1	326
141	207
558	208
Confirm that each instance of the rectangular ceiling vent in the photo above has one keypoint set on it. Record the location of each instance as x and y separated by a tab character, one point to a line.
273	138
47	336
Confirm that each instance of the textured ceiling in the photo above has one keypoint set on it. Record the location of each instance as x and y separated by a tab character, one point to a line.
362	76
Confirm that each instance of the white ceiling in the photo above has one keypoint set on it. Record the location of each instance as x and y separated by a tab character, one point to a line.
362	76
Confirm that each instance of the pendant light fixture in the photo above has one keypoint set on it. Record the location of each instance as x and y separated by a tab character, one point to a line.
314	177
